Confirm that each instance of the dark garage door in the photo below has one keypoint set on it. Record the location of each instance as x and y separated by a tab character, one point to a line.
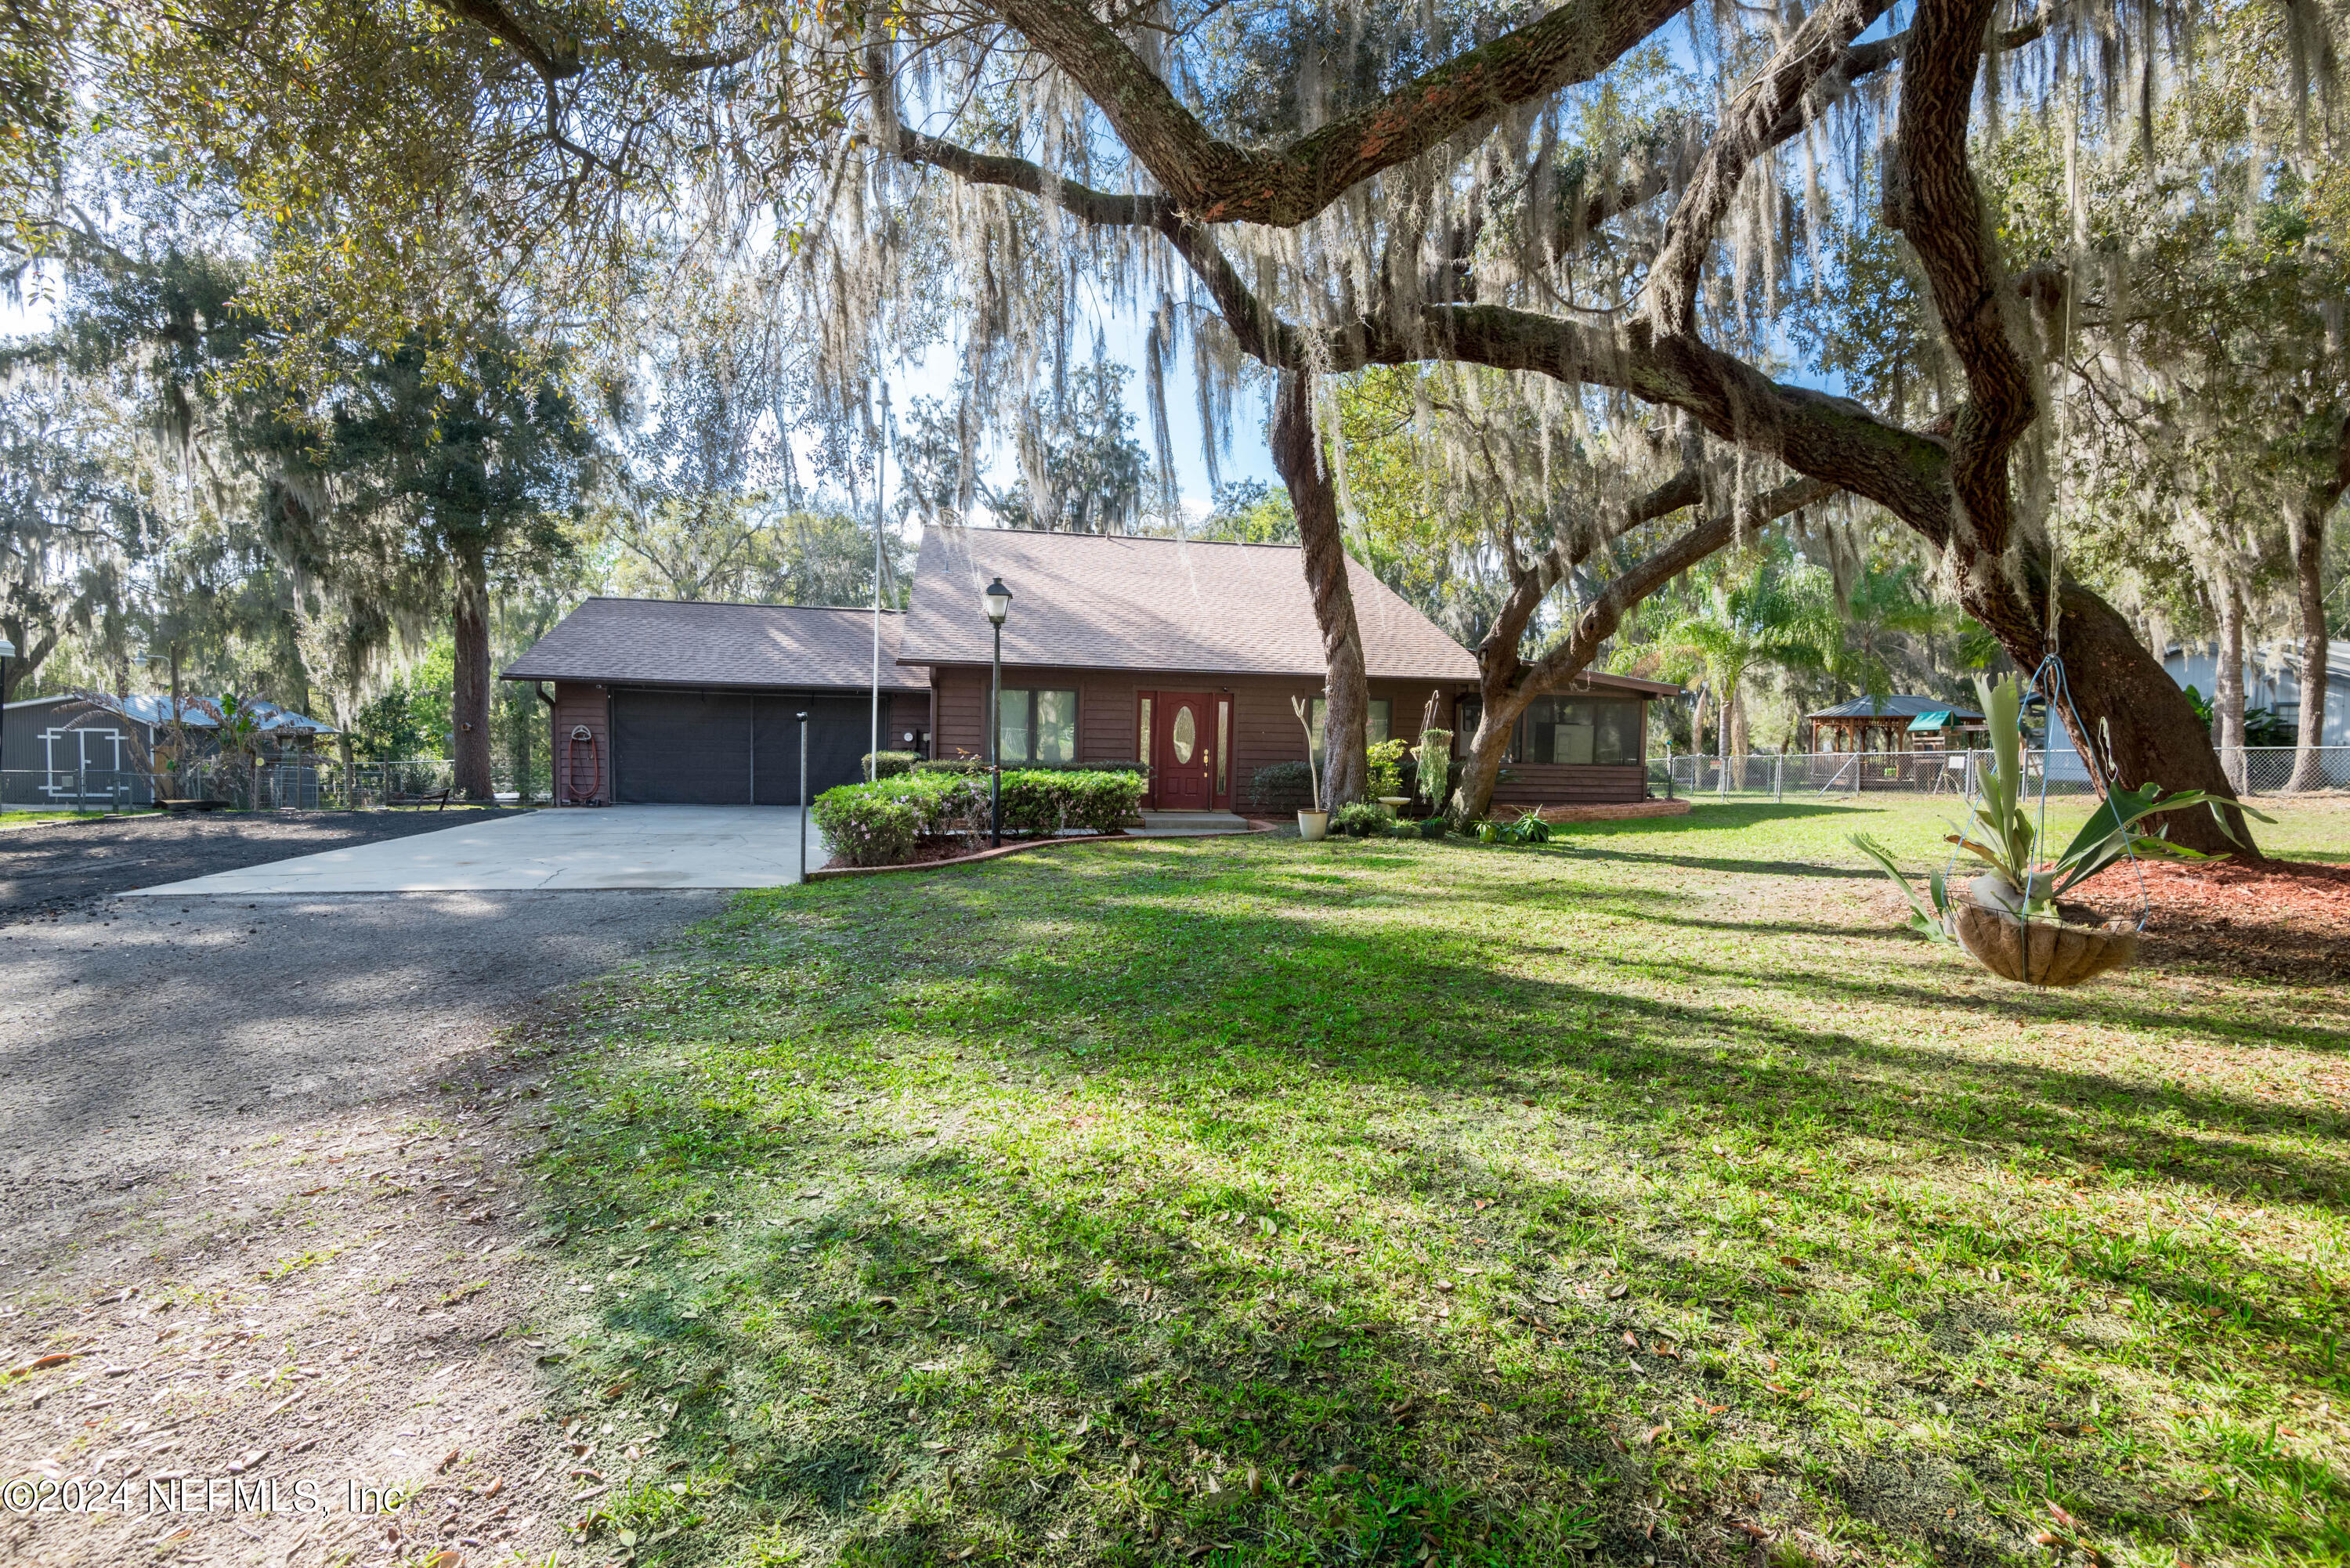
711	748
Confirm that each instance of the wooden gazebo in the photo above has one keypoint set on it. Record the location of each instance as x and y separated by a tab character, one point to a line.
1896	723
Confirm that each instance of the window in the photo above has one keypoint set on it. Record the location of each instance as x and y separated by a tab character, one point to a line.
1038	727
1581	730
1382	712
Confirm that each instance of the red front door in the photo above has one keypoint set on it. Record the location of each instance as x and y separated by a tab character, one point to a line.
1183	767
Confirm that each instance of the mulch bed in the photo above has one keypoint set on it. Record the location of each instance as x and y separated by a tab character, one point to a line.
2280	920
949	851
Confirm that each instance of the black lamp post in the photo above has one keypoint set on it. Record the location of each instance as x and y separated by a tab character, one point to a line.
802	717
998	600
7	653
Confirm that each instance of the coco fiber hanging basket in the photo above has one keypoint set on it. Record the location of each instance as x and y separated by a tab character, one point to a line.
2036	952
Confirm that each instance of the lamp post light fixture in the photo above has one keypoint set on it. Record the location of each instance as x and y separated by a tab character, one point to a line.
802	717
998	600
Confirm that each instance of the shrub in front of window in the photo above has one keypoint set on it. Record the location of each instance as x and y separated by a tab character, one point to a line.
1281	786
979	765
1099	800
1362	819
868	826
889	765
1045	800
879	824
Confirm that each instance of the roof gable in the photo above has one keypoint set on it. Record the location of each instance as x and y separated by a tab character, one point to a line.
1091	601
694	643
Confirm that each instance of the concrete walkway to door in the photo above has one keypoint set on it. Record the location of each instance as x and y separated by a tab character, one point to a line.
551	851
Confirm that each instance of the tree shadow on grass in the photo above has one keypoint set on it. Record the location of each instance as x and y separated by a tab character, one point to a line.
1100	1297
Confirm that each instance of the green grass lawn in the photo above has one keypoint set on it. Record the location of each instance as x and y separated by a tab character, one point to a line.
1646	1197
20	818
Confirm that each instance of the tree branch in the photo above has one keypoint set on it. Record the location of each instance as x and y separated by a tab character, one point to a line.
1602	617
1216	181
1932	199
1749	127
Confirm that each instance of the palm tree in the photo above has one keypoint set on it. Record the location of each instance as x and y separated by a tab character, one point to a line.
1776	615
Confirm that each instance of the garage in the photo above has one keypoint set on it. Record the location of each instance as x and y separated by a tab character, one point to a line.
730	748
659	702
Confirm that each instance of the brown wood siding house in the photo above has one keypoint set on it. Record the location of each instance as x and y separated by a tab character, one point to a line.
654	701
1142	632
1180	654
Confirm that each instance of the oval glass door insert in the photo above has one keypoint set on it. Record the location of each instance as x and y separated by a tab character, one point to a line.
1185	734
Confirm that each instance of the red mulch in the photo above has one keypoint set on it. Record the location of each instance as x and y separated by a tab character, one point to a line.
2279	920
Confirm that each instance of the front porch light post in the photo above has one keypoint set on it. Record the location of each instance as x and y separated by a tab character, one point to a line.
998	602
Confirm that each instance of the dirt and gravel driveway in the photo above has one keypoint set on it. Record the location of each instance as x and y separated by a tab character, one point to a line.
48	867
256	1183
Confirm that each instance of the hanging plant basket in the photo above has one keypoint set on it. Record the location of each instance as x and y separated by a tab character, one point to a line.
2037	952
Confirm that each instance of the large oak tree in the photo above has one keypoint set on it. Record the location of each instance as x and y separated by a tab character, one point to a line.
1339	188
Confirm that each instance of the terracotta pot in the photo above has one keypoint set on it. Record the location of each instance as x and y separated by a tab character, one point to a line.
1314	826
2039	953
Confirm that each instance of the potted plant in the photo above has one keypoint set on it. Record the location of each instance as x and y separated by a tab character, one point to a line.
1313	826
2008	918
1435	759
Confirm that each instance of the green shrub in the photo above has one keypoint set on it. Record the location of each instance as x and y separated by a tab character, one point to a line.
967	766
877	824
1281	786
889	765
1361	819
1044	800
1387	760
867	825
1432	827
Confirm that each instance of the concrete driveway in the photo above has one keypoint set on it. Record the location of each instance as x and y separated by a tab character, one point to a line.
573	849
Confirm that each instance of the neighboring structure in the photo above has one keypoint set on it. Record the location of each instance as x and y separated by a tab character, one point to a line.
1895	723
1180	655
2273	680
96	751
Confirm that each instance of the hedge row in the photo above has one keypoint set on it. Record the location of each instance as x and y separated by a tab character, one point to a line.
968	766
878	824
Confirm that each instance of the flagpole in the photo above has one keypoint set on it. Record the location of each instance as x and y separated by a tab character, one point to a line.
880	481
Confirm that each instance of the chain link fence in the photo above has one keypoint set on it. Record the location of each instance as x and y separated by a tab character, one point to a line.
313	783
2254	770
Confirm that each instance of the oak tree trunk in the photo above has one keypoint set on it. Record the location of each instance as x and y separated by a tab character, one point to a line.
2309	552
2309	589
1473	797
2136	721
1297	454
2228	687
469	738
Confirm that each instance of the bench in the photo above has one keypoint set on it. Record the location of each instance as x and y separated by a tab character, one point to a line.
436	798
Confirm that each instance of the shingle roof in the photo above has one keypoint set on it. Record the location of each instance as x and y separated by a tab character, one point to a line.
1895	707
660	642
153	711
1089	602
